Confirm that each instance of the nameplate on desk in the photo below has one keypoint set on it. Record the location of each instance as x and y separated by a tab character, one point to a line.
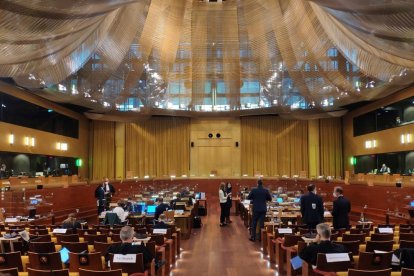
10	220
159	231
179	212
337	257
385	230
126	259
59	231
284	230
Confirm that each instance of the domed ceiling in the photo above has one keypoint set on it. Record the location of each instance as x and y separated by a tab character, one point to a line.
188	57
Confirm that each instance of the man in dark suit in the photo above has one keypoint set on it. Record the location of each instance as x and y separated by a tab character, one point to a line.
322	244
258	196
127	246
103	194
311	207
341	209
161	208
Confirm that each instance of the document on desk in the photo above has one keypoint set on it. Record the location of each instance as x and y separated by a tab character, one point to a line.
337	257
296	262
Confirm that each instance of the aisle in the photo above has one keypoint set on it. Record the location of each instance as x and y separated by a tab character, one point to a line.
214	250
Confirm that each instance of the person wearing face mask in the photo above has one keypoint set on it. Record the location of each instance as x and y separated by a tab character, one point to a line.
103	195
341	209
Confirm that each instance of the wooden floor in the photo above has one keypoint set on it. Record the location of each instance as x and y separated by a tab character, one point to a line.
215	250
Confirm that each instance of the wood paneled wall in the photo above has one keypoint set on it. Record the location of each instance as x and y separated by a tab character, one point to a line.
103	149
45	142
158	147
272	146
387	140
219	155
267	145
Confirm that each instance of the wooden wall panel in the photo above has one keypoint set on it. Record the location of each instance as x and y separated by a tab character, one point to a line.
45	141
387	140
215	154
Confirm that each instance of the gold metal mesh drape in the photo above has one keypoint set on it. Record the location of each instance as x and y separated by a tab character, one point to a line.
330	145
273	146
103	151
198	56
158	147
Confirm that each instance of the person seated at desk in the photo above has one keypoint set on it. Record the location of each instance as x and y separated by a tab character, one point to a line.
127	246
384	169
185	192
174	201
160	224
71	222
120	212
161	208
322	244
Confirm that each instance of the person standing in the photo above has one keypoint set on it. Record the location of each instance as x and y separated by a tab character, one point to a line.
259	197
340	210
103	194
311	208
229	202
3	171
223	203
109	192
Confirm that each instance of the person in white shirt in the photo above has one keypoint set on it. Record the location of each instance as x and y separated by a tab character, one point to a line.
223	203
120	212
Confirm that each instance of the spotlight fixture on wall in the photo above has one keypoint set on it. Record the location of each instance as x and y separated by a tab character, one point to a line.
210	135
61	146
218	135
26	141
11	139
406	138
32	141
370	144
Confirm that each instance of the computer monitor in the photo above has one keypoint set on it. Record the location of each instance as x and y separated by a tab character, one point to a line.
198	195
279	200
151	209
412	203
64	255
34	201
137	208
296	200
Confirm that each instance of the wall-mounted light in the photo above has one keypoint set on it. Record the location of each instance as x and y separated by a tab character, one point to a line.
406	138
370	144
26	141
61	146
11	139
32	141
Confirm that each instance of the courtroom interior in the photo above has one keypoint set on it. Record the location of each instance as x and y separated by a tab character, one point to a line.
206	137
